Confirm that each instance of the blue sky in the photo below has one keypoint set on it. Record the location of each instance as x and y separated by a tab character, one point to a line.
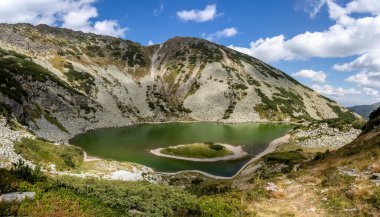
332	46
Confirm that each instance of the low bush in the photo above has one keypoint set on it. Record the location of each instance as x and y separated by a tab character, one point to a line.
45	153
71	196
288	158
374	121
216	147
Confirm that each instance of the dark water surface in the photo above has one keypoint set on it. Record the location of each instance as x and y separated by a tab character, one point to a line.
133	143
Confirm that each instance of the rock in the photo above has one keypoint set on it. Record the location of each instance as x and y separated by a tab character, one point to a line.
17	196
125	175
351	210
324	136
349	172
7	137
271	187
375	176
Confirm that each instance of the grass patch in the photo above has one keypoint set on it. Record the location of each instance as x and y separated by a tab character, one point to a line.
13	65
80	80
71	196
289	157
45	153
197	150
55	122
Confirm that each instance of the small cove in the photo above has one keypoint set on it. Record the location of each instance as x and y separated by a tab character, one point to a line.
133	143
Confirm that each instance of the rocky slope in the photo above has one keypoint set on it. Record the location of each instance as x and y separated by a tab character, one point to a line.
60	82
299	182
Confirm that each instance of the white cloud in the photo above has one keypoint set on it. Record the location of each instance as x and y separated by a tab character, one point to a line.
347	37
329	90
364	6
268	49
340	40
366	79
368	61
150	42
107	27
312	7
371	92
73	14
317	76
158	11
225	33
78	18
209	13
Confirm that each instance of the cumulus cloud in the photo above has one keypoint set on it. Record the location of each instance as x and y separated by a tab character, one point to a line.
368	61
340	40
225	33
73	14
268	49
371	92
317	76
207	14
150	42
329	90
347	37
366	79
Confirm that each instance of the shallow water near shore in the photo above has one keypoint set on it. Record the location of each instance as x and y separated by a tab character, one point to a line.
133	143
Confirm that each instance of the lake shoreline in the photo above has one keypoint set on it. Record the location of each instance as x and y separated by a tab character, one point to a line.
220	160
237	151
271	147
67	140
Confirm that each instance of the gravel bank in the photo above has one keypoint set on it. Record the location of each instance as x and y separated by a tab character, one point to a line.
324	136
7	152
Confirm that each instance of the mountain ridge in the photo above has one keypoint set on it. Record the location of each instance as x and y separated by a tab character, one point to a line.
364	110
68	82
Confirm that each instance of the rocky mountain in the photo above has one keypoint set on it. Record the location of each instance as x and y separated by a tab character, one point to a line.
364	110
60	82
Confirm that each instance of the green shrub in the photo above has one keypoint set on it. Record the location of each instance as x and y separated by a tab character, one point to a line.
55	122
289	157
81	80
240	86
9	208
216	147
333	178
23	171
374	121
45	153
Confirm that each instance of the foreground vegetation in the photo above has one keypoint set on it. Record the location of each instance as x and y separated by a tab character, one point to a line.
198	150
43	153
69	196
334	183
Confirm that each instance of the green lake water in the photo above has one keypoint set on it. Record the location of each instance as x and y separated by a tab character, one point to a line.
133	143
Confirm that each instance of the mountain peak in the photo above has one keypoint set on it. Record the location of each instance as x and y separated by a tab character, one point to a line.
64	77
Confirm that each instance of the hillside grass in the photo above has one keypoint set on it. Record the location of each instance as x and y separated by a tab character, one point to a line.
71	196
198	150
43	153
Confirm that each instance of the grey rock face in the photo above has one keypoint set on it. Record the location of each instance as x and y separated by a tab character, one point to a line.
17	196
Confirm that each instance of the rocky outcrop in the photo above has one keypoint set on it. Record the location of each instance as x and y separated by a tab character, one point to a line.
324	136
17	196
7	137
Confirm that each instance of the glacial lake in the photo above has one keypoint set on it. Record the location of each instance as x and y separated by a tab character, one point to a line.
133	143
